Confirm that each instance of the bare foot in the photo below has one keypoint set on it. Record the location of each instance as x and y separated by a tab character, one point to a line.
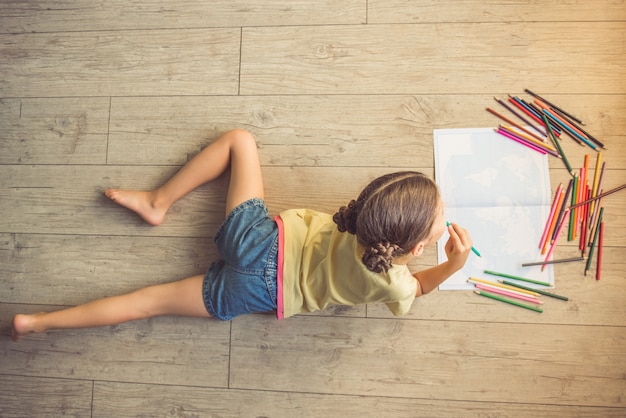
22	325
142	203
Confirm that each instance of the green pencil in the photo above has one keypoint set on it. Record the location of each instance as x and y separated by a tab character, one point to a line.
556	142
512	302
541	292
521	279
474	250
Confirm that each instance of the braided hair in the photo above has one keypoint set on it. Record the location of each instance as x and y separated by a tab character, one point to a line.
390	217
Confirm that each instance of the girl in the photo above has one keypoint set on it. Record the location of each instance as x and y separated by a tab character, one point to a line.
300	261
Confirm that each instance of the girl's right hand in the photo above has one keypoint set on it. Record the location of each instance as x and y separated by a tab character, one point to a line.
458	247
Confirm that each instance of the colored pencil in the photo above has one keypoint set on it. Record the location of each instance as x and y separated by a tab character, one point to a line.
601	195
572	229
593	225
600	240
561	215
556	118
593	244
553	224
509	301
474	250
532	140
541	292
596	180
531	292
595	209
551	250
509	121
521	279
555	107
563	260
507	293
518	103
521	141
572	131
555	140
523	119
551	214
497	286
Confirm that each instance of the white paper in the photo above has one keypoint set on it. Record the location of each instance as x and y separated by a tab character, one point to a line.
499	191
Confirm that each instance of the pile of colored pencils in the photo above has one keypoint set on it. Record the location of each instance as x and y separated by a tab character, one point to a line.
579	204
542	125
512	292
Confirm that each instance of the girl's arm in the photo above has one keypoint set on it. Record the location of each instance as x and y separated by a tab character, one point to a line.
457	249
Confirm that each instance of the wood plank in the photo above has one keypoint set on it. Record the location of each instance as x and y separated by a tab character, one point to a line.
401	59
54	16
54	131
347	131
38	397
159	350
398	11
471	361
143	63
155	400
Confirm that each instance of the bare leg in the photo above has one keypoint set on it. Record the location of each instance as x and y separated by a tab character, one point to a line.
182	297
236	148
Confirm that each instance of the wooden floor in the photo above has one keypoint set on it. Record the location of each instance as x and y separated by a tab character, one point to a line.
121	94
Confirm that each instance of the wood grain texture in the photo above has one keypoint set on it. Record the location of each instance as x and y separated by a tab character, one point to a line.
162	350
143	63
171	400
77	15
397	11
474	361
33	396
433	59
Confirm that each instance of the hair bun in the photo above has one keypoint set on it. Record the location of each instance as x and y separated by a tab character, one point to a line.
379	257
346	217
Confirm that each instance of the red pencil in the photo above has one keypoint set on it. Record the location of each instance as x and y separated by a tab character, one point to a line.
600	238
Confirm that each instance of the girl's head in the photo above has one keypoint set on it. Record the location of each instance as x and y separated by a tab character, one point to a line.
396	214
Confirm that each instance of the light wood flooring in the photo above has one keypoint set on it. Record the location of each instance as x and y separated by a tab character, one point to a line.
122	93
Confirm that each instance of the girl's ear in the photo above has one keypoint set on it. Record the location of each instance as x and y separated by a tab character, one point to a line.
418	249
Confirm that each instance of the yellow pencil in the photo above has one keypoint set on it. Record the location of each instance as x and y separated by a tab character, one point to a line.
596	179
503	286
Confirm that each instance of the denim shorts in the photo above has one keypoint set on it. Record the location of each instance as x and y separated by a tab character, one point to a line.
244	280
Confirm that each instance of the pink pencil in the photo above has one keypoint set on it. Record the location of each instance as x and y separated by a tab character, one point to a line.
549	256
519	141
509	294
550	216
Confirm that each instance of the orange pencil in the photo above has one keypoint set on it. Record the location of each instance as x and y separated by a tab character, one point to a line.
553	224
552	214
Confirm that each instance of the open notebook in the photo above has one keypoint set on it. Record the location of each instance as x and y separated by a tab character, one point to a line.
499	191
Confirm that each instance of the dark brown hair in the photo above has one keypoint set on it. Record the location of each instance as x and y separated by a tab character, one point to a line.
391	216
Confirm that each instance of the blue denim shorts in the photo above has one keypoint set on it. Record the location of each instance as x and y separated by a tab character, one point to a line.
244	280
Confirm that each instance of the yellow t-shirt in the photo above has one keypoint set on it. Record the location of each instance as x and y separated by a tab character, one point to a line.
322	266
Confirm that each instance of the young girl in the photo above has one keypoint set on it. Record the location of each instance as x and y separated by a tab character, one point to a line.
300	261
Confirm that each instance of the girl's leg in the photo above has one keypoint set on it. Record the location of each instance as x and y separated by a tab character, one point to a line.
236	148
182	297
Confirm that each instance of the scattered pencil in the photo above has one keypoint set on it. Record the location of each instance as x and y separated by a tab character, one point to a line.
563	260
554	106
601	195
509	301
522	279
599	262
531	292
541	292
